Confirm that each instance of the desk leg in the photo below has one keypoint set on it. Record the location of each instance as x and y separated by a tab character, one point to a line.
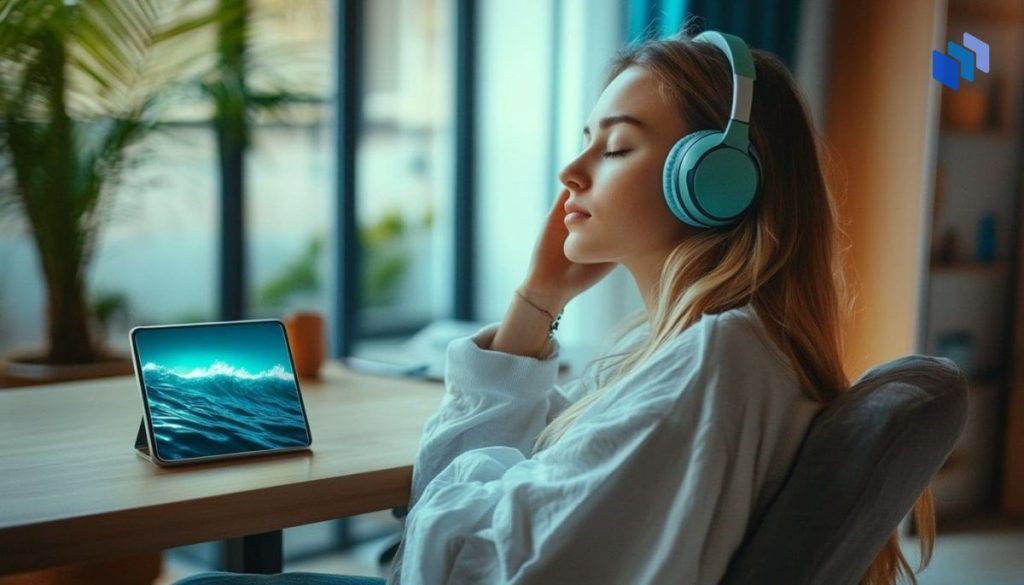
256	553
343	533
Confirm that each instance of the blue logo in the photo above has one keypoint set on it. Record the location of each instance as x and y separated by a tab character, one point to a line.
961	61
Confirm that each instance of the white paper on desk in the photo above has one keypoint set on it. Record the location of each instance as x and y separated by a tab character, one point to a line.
429	346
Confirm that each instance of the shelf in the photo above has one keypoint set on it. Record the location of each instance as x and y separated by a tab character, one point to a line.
988	268
999	13
988	133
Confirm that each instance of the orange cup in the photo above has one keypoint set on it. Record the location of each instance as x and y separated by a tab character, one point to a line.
305	331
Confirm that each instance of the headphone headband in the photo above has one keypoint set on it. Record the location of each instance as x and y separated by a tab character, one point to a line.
743	76
711	177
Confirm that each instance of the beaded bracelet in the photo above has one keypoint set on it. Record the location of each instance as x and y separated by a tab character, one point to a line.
554	319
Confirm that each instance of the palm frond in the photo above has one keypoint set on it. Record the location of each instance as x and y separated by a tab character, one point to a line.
77	92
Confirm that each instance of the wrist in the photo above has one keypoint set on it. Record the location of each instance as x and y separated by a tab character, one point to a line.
525	330
551	302
552	319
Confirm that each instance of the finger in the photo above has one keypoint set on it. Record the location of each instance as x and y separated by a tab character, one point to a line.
561	199
558	209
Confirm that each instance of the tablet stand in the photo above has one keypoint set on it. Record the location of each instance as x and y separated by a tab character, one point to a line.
140	439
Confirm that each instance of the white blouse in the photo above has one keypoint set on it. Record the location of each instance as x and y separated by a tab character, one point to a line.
657	482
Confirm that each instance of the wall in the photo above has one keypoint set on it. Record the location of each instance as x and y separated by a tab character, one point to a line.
882	114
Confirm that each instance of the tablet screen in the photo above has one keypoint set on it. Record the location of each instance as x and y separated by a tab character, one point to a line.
219	389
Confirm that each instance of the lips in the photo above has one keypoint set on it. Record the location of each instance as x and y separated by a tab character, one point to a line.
571	207
575	217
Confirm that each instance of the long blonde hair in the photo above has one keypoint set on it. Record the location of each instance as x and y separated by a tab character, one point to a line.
784	257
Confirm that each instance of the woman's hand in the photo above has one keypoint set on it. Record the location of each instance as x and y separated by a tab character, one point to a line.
553	279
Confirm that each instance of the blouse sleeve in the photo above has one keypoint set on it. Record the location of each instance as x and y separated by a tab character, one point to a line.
491	399
656	488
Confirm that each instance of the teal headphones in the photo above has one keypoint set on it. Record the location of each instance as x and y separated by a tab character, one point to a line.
711	176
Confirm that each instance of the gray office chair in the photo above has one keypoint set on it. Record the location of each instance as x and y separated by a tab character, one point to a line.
864	461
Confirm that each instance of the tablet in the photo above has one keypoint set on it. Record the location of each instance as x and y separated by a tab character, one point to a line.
217	390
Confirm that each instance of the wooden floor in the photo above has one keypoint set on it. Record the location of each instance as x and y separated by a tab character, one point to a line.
992	558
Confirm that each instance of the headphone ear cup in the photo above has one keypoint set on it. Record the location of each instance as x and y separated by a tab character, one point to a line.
707	184
674	182
757	163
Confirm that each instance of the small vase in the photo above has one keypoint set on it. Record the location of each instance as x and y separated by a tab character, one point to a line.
305	331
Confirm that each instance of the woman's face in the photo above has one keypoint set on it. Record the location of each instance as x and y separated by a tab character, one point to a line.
617	177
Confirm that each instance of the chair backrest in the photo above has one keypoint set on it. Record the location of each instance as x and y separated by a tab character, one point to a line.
866	458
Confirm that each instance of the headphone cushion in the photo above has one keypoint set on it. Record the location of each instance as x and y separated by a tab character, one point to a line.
721	185
674	184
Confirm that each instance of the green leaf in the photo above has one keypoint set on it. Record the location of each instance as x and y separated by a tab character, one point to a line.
298	276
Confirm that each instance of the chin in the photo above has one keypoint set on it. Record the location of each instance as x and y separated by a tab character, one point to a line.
574	252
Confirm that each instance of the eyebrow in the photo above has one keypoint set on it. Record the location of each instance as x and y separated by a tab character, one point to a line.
612	120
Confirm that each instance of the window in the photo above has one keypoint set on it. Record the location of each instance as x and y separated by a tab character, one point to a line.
405	167
156	261
288	178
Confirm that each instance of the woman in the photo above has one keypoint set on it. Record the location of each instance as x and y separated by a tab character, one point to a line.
651	470
652	467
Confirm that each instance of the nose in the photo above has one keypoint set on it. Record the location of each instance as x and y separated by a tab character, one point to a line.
574	177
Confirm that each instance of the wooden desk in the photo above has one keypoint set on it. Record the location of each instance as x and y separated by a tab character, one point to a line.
72	488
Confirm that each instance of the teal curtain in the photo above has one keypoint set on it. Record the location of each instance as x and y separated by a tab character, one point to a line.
764	24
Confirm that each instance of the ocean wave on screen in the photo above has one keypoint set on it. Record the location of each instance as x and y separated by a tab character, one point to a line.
219	368
221	409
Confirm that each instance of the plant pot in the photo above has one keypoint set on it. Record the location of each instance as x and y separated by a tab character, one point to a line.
306	338
30	370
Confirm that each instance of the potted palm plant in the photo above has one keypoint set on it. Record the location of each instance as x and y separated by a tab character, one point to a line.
80	84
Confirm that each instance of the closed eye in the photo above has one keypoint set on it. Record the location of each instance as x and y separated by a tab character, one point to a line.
616	153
